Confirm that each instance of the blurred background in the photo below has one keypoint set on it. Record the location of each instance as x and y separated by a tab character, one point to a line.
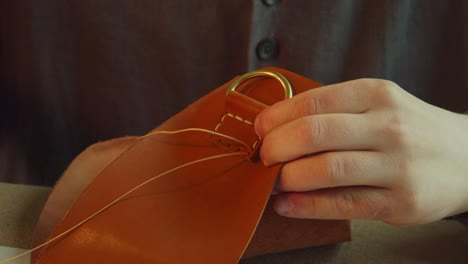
73	73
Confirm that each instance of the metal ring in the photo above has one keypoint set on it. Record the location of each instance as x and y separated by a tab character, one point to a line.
288	91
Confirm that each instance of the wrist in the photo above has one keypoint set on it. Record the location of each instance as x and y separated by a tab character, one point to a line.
458	143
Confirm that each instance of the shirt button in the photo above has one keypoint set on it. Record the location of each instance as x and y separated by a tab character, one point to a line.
267	49
271	2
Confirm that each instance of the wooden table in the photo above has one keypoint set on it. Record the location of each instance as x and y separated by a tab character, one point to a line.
373	242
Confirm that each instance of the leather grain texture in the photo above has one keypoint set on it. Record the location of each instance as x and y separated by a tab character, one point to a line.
203	213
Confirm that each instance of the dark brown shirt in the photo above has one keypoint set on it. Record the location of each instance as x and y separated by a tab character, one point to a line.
76	72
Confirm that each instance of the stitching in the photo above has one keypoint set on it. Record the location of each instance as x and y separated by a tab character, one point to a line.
240	119
255	143
235	117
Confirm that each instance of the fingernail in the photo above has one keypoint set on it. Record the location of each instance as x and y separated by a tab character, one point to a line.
283	205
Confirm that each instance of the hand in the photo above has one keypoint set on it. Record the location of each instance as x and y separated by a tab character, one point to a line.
366	149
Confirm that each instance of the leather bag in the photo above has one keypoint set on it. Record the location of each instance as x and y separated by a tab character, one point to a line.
203	212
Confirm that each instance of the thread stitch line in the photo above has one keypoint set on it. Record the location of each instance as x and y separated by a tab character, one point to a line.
239	118
71	229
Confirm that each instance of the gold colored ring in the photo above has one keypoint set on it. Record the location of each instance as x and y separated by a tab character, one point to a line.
288	91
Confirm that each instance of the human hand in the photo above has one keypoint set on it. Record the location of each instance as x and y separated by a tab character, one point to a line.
366	149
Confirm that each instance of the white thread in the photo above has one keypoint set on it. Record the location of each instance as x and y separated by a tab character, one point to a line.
138	186
196	129
240	119
255	143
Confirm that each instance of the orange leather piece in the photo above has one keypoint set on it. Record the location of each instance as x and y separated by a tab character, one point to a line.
79	174
204	213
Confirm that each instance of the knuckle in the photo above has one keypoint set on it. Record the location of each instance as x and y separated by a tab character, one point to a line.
379	208
303	207
381	212
358	205
394	130
309	105
335	168
410	203
331	169
412	213
345	204
384	92
310	130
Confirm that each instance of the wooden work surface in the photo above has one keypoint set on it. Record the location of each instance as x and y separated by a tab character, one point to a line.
373	242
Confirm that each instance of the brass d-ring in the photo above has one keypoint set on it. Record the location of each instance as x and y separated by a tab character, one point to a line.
288	91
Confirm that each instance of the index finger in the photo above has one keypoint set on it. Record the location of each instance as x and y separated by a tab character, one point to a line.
346	97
